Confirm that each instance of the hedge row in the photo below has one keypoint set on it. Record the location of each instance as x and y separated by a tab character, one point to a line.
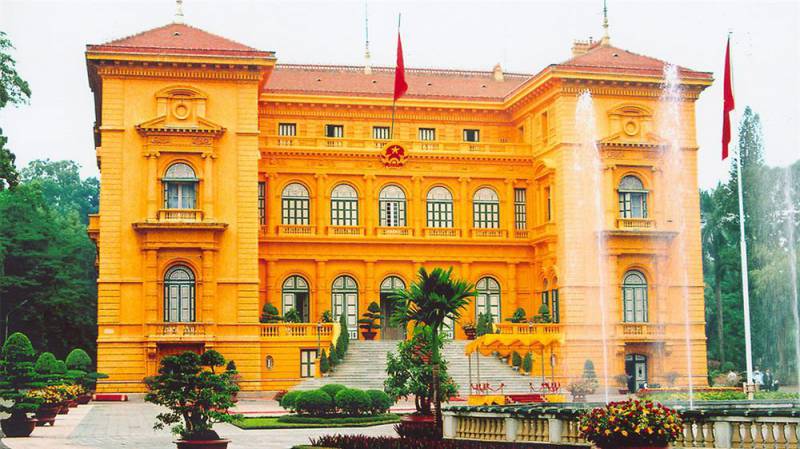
333	399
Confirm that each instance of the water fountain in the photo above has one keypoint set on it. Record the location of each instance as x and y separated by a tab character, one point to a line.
588	165
670	130
790	226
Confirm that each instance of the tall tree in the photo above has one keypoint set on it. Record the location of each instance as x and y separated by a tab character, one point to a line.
14	90
60	182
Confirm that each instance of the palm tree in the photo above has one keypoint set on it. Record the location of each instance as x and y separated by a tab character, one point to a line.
428	301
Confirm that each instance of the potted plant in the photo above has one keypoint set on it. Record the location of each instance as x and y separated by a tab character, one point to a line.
516	361
17	376
622	382
235	377
270	314
469	330
292	316
326	317
368	322
50	401
631	424
324	364
518	316
579	389
527	363
196	397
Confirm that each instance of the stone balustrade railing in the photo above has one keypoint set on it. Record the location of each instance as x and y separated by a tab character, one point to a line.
754	428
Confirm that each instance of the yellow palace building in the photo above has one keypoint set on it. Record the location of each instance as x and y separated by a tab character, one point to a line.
230	181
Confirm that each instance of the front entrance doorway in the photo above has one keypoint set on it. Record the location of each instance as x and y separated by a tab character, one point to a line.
307	359
636	370
295	296
388	286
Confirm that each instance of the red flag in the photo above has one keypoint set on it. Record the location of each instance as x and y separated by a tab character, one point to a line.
727	104
400	85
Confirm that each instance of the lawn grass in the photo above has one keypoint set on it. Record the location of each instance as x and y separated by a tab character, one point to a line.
308	422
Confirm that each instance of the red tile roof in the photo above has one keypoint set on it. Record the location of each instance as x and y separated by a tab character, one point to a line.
608	59
422	83
179	39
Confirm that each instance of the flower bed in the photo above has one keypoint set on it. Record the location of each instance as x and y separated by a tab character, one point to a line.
631	423
313	422
365	442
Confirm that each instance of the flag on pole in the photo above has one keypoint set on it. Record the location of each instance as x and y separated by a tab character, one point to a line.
400	85
727	102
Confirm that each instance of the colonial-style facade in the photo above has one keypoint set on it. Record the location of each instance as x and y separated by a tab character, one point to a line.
230	181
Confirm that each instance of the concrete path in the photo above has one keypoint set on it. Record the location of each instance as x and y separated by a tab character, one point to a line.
113	425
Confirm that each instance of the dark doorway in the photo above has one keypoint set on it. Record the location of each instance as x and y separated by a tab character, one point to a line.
388	286
636	370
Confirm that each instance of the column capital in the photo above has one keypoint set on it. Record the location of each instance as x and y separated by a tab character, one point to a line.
152	154
509	181
417	178
208	154
367	177
322	176
464	179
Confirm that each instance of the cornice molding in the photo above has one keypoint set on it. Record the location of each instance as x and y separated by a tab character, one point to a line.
177	71
370	156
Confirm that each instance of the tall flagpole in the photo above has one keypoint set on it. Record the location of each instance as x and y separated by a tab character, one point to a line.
394	100
745	285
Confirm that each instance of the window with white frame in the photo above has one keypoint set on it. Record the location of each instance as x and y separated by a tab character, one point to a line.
334	131
180	187
427	134
520	209
486	209
472	135
381	133
294	205
632	198
262	203
392	204
440	208
287	129
344	206
488	298
634	297
179	295
344	300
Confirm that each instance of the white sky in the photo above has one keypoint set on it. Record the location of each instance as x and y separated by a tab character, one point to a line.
50	38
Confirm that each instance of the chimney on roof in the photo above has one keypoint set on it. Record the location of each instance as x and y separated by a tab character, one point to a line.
581	47
497	72
178	12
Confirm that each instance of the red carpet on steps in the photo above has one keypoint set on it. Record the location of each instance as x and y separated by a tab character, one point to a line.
110	397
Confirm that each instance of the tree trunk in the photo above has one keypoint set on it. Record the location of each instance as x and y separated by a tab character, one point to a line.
437	401
720	319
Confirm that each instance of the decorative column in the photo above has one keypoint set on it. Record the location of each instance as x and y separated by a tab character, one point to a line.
151	286
466	275
209	287
273	204
319	200
463	207
368	207
509	212
416	203
272	293
323	299
370	288
208	185
152	185
511	277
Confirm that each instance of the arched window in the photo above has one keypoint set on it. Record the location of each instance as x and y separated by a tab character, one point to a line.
488	298
634	297
632	198
179	294
180	186
440	208
344	300
294	205
486	209
344	206
392	203
295	296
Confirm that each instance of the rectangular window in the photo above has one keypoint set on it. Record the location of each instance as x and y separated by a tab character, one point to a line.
549	204
294	211
545	298
427	134
520	209
472	135
308	358
262	203
393	213
334	131
380	133
440	214
633	204
486	215
344	212
555	305
287	129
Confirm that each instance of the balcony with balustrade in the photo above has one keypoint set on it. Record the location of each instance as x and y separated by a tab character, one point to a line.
270	142
488	233
541	329
308	332
178	332
641	332
634	224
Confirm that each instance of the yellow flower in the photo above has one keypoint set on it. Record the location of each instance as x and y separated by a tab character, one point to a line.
624	433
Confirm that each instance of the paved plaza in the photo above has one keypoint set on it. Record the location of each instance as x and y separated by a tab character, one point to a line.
111	425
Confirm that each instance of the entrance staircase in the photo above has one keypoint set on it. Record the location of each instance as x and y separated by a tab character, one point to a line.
364	367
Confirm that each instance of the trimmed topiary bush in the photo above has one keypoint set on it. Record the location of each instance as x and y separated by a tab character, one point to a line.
289	400
61	367
270	314
314	402
332	389
46	364
380	402
527	362
78	359
324	364
333	357
516	360
351	401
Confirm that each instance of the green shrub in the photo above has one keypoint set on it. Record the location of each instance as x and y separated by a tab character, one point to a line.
352	401
380	402
270	314
333	357
61	367
485	324
324	365
332	389
518	316
588	370
292	316
17	375
544	314
343	342
527	363
46	364
327	317
314	402
78	359
516	360
289	400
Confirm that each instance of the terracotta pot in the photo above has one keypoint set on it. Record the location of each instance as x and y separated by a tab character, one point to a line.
64	408
47	414
470	334
18	425
84	399
202	444
369	335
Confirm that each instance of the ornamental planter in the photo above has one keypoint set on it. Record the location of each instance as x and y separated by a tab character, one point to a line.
64	409
369	335
18	425
470	334
47	414
202	444
84	399
72	403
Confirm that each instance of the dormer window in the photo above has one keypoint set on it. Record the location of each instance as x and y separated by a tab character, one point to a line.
180	187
